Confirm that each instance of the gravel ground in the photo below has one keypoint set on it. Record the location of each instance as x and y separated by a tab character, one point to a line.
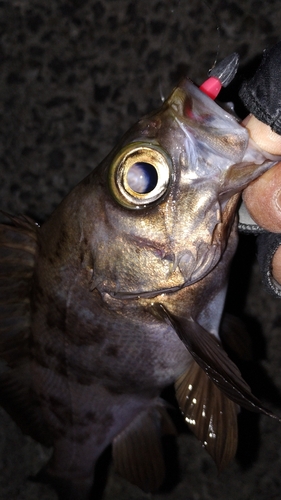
73	77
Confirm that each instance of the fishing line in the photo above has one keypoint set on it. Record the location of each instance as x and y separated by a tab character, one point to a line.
215	18
173	11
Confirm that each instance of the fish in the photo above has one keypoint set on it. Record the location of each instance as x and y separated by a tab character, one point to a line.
120	294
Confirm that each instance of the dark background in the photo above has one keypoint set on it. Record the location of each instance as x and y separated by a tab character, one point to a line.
74	76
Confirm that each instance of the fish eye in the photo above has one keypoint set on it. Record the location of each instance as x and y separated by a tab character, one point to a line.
140	175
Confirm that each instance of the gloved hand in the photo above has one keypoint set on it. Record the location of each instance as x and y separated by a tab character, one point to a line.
262	97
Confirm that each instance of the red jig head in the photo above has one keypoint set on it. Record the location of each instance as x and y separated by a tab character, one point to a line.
220	76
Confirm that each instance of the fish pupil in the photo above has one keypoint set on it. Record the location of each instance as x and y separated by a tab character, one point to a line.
142	177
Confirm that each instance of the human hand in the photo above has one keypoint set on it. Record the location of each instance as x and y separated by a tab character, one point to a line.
261	96
263	196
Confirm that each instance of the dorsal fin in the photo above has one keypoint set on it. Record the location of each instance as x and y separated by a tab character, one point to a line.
137	450
18	247
210	415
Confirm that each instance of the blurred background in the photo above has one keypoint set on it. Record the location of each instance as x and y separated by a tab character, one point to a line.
74	75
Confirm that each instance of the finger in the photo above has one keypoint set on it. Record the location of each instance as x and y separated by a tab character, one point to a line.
262	135
263	199
263	196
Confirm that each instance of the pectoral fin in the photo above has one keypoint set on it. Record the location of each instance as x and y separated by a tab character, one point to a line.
210	356
210	415
137	450
18	247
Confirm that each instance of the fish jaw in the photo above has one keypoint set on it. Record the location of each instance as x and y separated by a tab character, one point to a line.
217	146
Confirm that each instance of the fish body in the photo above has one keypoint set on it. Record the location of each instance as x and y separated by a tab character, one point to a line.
120	294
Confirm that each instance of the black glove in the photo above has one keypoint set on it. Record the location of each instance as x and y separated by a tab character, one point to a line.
262	97
267	246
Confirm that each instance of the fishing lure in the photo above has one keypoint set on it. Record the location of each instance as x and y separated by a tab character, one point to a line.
120	294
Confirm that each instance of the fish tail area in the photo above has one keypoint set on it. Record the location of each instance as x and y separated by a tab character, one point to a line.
137	450
18	247
210	415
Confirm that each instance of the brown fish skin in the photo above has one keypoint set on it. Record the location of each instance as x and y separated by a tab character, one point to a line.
87	371
120	288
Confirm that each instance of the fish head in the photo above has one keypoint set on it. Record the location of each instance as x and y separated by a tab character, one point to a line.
159	209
